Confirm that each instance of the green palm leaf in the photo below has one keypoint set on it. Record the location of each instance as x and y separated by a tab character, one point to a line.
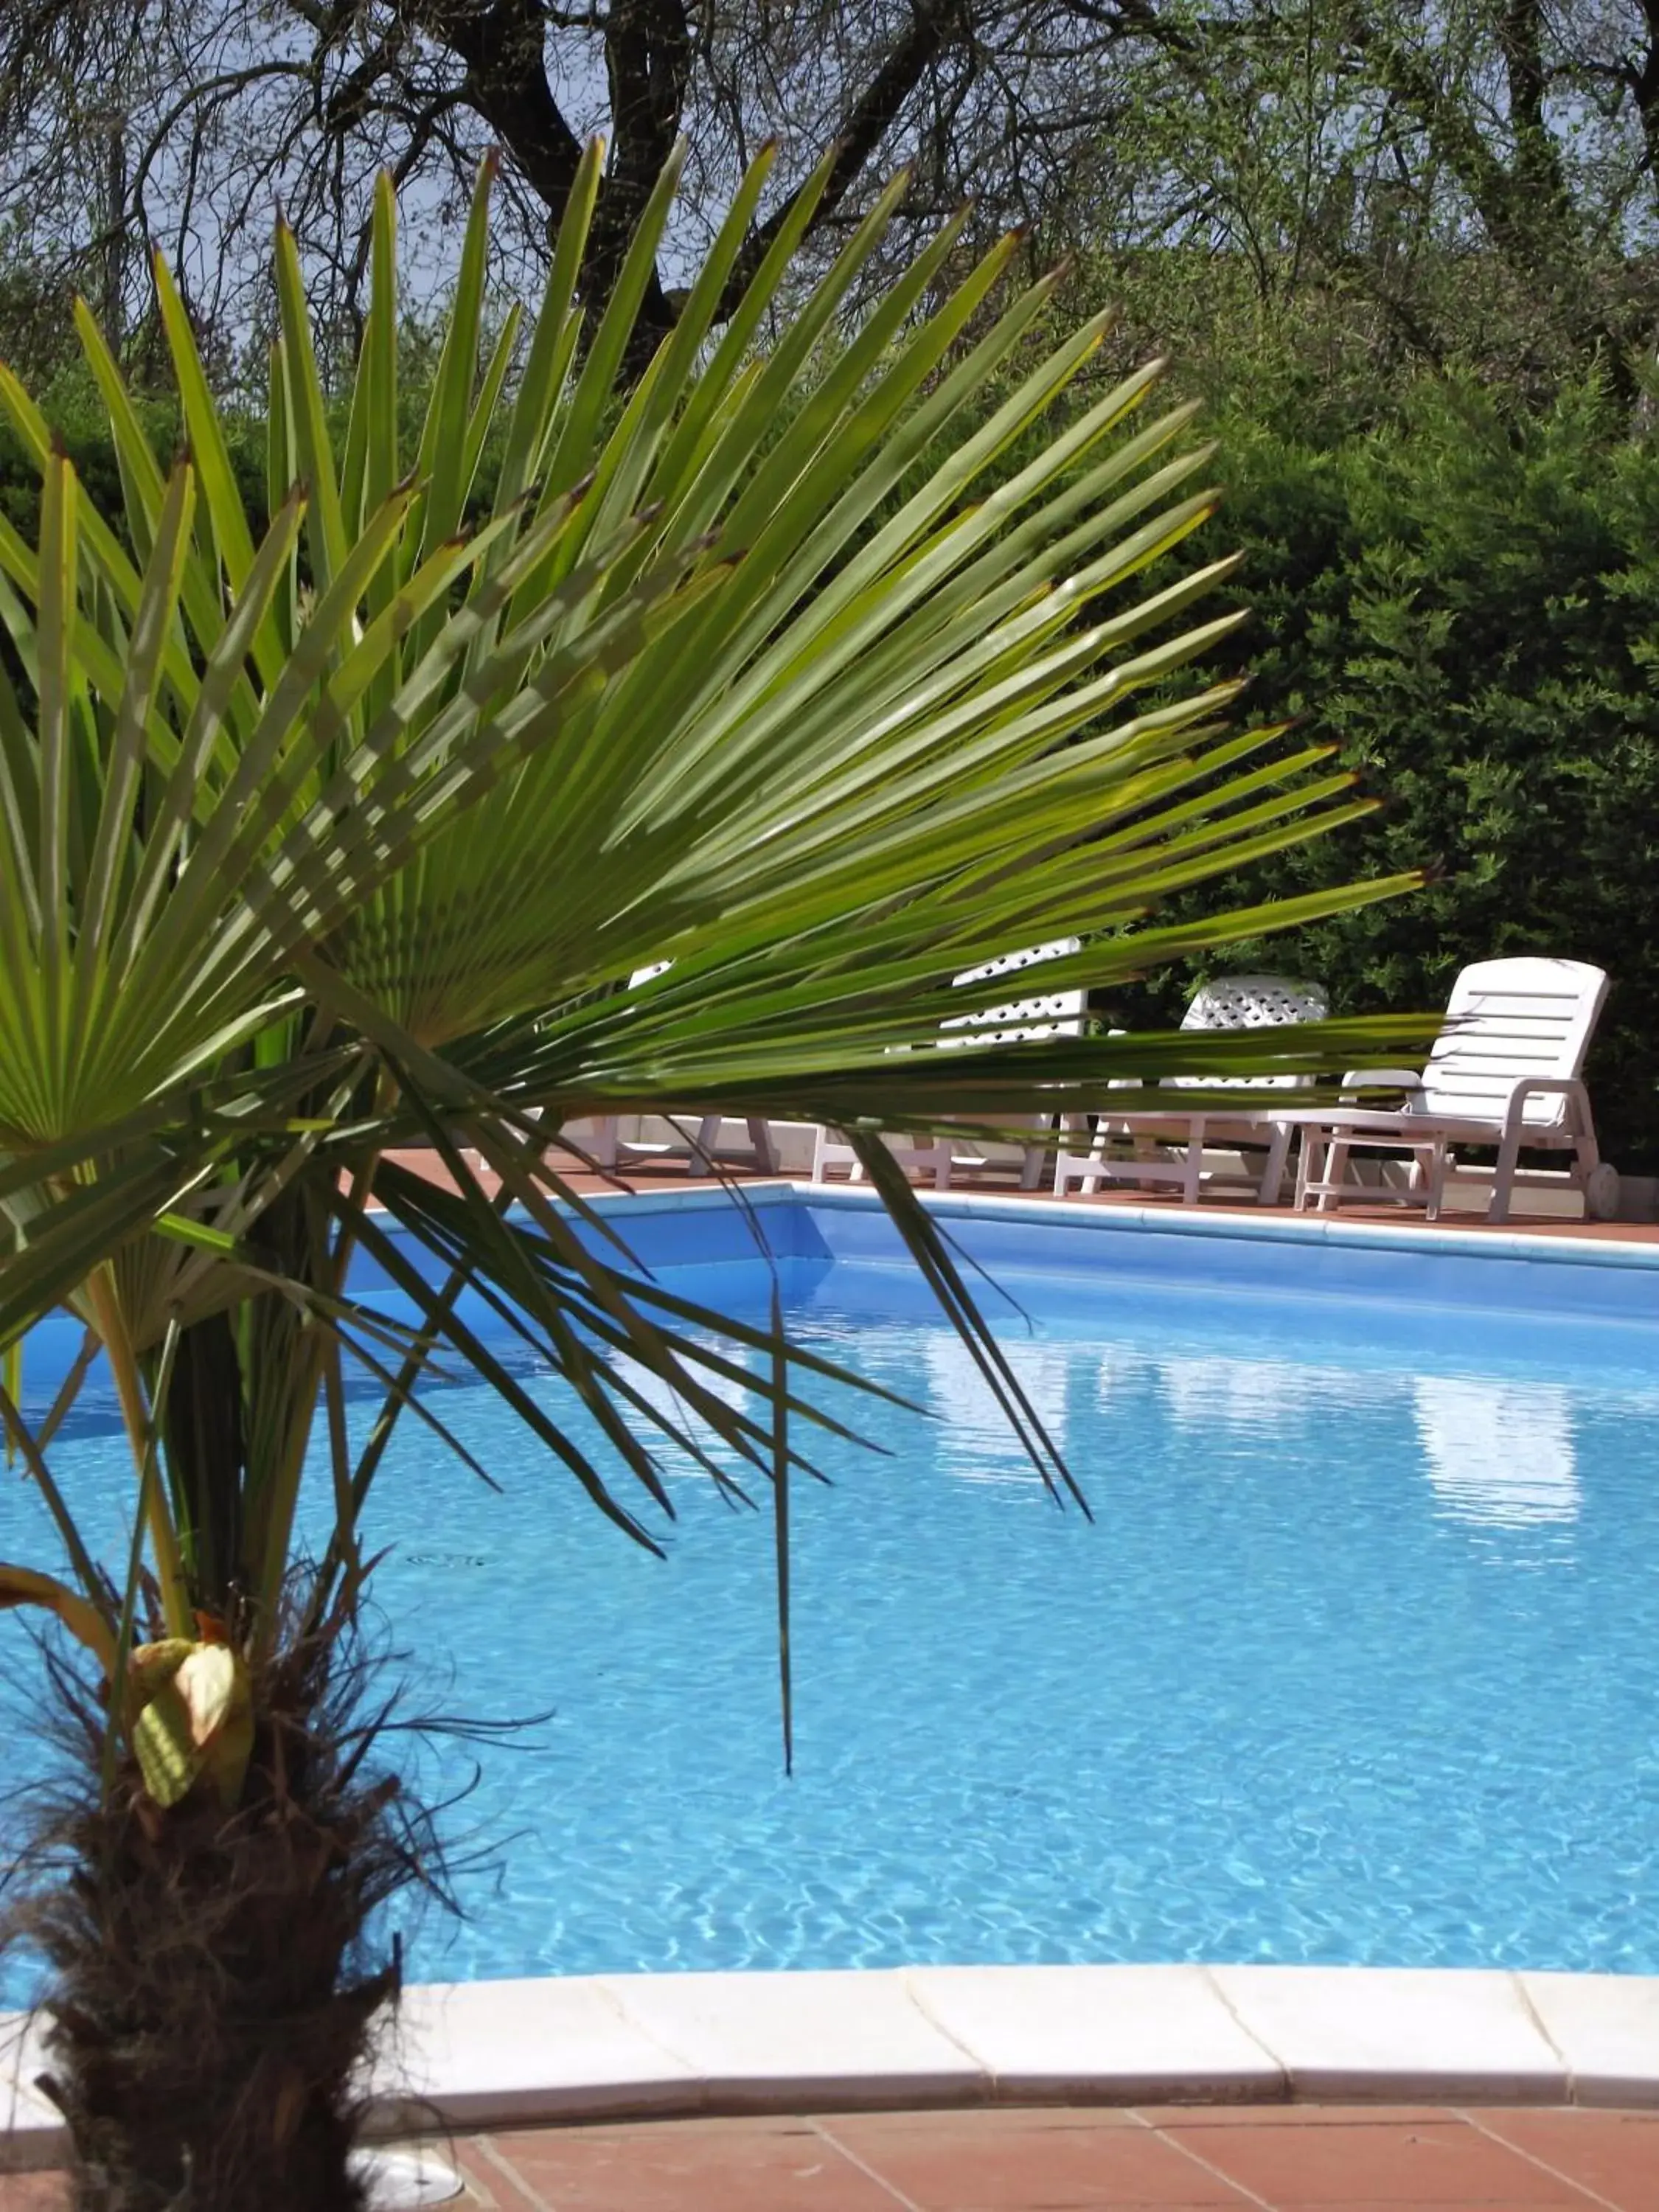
803	664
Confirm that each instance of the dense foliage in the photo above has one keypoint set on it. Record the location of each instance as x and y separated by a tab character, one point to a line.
1465	598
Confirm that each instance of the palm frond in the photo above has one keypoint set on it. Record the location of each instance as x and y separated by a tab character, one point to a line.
824	662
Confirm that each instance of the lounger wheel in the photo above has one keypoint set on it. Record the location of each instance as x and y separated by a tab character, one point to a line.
1602	1192
396	2181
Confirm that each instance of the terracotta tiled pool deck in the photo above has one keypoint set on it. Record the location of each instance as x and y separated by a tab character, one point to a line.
670	1175
1298	2160
1081	2161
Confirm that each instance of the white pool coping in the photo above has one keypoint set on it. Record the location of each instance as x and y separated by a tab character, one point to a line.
1237	1225
474	2055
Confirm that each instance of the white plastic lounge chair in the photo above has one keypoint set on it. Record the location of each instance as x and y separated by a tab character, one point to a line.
1506	1070
1170	1146
1051	1014
610	1149
607	1146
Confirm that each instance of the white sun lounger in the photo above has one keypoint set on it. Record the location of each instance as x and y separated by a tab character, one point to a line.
1168	1145
1052	1013
1506	1070
607	1147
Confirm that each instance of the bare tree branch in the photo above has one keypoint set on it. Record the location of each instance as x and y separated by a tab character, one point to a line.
1326	142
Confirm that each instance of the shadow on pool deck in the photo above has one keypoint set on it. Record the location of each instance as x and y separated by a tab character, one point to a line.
1287	2158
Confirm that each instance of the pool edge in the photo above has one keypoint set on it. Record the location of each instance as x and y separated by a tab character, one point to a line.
571	2049
474	2055
1238	1226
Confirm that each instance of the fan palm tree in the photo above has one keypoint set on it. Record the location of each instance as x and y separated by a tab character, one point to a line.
331	834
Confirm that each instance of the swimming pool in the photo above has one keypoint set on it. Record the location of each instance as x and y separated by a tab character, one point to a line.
1357	1664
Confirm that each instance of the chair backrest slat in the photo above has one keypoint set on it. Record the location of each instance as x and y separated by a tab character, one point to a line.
1047	1013
1506	1020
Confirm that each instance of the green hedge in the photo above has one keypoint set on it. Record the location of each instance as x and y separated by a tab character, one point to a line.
70	403
1467	604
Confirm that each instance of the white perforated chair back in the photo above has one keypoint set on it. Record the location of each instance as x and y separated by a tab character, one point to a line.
1047	1013
1252	1002
1506	1020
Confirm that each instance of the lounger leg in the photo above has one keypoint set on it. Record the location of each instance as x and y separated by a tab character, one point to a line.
939	1161
1089	1181
760	1137
1068	1127
1440	1161
1502	1180
836	1142
1194	1162
604	1146
701	1160
1310	1166
1586	1159
1031	1166
1334	1173
1073	1167
1272	1172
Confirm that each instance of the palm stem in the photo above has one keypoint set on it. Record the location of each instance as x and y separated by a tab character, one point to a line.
277	1536
136	1421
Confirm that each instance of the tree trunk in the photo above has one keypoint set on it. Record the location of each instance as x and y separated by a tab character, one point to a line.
211	2016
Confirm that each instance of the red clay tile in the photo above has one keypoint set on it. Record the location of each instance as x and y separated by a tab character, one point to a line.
725	2166
998	2163
33	2192
1615	2154
486	2183
1058	2159
957	2119
1443	2161
1178	2117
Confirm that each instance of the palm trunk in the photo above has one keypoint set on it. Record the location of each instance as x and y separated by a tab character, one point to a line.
212	2010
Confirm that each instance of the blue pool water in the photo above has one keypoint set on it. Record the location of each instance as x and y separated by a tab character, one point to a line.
1358	1663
